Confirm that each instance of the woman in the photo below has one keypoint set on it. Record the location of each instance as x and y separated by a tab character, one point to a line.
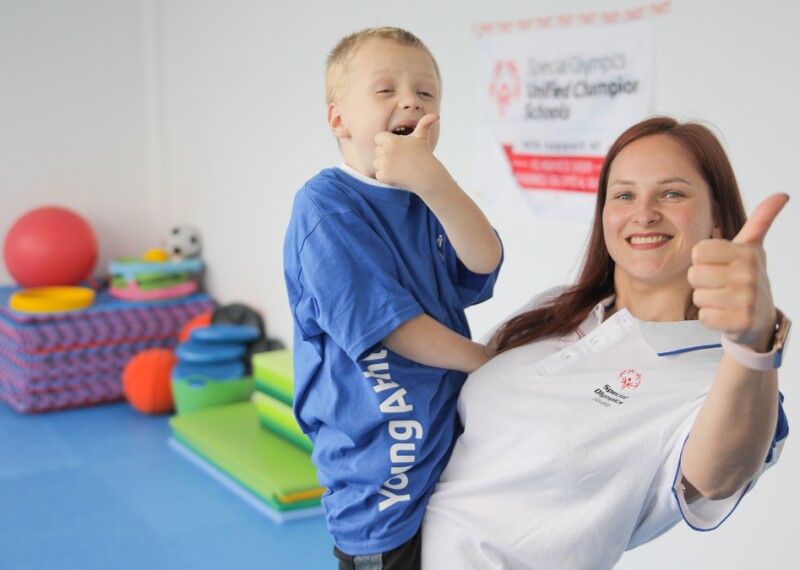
611	410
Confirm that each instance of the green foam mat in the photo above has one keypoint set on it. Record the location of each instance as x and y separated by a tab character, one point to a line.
228	482
231	439
274	374
279	417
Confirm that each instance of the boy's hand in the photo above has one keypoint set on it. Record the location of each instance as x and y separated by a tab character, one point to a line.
407	162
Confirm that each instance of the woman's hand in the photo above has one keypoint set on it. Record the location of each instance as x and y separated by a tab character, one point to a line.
730	282
733	431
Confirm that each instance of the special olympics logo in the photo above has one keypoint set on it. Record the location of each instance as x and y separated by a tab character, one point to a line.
505	85
630	379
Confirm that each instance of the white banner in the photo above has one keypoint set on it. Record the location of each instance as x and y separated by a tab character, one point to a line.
549	104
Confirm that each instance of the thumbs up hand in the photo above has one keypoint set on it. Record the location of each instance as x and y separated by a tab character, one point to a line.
730	282
406	161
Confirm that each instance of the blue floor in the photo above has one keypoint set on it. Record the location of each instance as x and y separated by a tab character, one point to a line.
99	488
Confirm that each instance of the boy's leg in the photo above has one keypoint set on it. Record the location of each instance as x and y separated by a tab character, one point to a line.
407	556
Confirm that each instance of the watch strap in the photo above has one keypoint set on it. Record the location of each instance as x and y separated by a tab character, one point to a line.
761	361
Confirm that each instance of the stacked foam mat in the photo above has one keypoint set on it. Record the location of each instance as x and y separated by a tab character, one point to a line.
52	361
255	447
274	395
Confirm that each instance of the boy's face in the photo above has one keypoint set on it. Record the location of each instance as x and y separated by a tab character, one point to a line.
389	87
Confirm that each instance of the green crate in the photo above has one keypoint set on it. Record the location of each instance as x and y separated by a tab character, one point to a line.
198	392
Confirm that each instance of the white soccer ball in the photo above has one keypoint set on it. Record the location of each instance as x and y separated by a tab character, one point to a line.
183	241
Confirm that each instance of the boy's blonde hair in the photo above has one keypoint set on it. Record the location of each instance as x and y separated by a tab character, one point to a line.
340	56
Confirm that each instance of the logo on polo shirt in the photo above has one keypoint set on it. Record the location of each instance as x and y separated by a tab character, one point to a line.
606	395
630	379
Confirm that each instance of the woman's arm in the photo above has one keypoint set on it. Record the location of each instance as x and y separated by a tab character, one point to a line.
731	436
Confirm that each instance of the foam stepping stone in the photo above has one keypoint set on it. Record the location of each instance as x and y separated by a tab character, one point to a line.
198	392
226	333
220	371
206	352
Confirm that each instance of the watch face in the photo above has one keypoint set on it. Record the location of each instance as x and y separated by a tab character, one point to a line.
782	334
781	338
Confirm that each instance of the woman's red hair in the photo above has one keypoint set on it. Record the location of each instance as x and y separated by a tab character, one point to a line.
564	314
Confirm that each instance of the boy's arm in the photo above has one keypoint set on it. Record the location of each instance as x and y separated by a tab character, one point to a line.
407	162
425	340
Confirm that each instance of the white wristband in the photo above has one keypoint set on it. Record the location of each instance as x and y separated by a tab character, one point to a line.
761	361
749	358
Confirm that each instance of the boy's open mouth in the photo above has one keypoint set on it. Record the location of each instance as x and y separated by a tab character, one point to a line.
403	131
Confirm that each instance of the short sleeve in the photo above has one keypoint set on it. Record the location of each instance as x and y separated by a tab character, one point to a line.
701	513
474	288
667	503
350	286
704	514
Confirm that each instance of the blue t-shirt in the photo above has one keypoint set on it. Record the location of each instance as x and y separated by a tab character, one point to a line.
359	260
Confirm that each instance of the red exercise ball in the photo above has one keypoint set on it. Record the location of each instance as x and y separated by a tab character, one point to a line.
50	246
147	381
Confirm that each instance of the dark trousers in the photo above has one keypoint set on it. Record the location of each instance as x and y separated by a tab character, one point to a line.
407	556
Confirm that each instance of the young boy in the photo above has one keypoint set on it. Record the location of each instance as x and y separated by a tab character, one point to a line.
381	256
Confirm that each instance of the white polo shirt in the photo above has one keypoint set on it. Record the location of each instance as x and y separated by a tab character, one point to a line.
571	449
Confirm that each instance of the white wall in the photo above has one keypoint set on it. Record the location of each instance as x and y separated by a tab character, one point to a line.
146	113
74	118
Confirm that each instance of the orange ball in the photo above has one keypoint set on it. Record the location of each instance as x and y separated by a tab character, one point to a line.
201	320
147	381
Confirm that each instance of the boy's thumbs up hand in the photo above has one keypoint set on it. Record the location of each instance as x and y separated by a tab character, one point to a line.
407	162
730	282
424	126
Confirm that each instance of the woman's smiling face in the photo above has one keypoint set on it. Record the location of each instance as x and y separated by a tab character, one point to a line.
658	206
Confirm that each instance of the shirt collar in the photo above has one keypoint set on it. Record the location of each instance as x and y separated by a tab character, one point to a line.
363	178
602	308
375	189
668	337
